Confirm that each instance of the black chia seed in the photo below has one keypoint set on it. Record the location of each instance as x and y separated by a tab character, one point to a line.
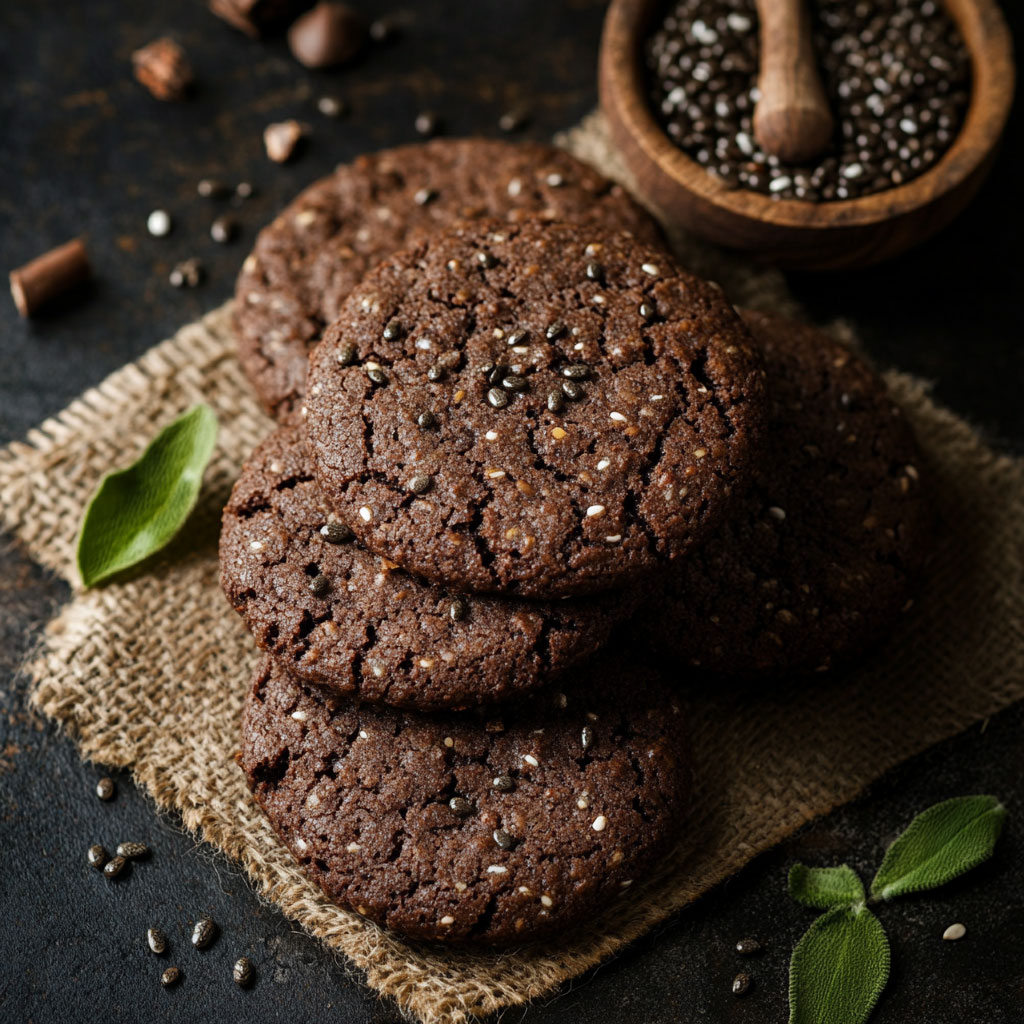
97	856
896	73
457	609
156	940
105	789
114	867
204	932
741	984
242	972
132	851
336	533
170	977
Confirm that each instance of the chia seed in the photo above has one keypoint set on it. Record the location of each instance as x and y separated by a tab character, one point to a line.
97	856
170	977
741	984
896	74
457	610
204	932
105	789
426	420
497	398
336	533
156	940
242	972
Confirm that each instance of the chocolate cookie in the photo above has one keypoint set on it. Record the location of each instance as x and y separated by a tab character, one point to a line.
340	616
314	253
469	828
818	562
590	408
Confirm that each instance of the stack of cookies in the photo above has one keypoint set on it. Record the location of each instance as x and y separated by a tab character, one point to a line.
530	477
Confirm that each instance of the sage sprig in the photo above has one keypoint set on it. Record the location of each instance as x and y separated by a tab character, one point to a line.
840	966
136	511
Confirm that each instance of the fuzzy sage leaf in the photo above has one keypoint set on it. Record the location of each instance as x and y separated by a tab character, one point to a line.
824	888
939	845
839	968
136	511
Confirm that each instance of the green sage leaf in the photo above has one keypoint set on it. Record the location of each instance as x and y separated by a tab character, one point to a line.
136	511
839	968
939	845
824	888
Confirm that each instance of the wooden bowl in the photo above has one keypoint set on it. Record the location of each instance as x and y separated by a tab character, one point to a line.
794	232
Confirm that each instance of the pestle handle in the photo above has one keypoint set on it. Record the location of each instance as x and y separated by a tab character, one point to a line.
792	119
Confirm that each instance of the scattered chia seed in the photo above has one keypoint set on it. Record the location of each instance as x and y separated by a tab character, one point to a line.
421	483
156	940
576	371
97	856
435	373
187	274
572	390
748	947
426	420
648	311
378	377
319	586
210	188
497	398
514	120
336	533
595	272
457	609
331	106
392	330
503	839
460	806
503	783
556	401
514	382
518	337
555	331
896	74
242	972
424	196
427	123
170	977
741	984
114	866
105	789
487	260
132	851
204	932
224	230
159	223
586	737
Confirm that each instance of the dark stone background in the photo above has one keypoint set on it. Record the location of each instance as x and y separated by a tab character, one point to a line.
83	149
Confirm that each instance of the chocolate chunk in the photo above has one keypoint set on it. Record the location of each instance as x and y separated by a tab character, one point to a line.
328	35
162	67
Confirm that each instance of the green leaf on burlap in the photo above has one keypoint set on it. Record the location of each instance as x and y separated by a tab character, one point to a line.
824	888
939	845
839	968
136	511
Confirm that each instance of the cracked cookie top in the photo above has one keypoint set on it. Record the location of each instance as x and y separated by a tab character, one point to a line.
539	409
314	253
492	828
818	561
340	616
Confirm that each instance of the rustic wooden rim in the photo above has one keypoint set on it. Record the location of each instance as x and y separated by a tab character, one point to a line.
990	46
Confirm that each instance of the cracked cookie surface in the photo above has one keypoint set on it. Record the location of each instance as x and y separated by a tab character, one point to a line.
819	562
590	409
340	616
491	828
314	253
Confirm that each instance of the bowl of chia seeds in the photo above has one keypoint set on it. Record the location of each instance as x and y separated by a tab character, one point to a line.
920	91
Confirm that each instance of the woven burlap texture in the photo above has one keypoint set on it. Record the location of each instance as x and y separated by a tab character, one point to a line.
149	673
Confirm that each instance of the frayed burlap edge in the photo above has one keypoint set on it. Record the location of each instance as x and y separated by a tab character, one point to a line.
149	673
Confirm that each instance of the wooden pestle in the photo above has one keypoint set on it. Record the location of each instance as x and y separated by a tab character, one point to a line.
792	119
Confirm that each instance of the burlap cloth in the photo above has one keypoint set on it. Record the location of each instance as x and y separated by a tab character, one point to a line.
149	674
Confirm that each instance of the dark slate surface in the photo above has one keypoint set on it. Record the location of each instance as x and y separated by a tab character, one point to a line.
84	149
